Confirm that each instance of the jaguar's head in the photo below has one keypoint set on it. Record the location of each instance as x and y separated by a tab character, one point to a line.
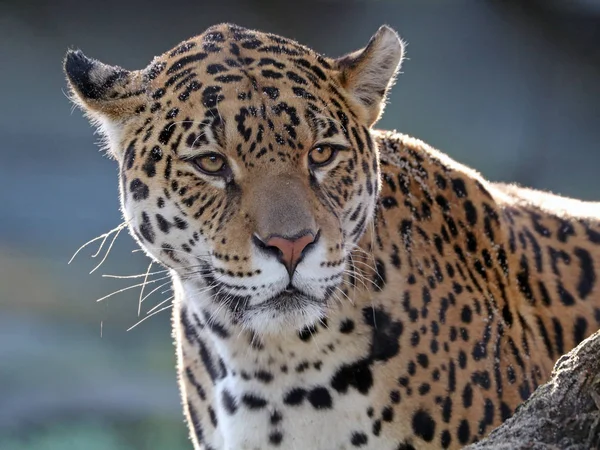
246	164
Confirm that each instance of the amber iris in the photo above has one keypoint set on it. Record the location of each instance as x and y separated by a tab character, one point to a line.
321	155
211	163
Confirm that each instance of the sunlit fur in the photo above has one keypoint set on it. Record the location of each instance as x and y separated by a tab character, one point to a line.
430	302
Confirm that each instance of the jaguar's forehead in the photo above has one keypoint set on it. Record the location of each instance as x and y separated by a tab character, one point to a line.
249	83
228	54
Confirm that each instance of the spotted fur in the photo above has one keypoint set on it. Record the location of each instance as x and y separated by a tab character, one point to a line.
430	302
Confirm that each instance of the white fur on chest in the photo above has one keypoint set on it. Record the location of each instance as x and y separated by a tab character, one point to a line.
300	426
283	396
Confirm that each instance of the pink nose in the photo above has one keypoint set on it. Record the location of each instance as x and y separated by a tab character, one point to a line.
290	251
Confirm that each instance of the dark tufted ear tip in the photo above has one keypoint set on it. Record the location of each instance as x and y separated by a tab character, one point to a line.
77	66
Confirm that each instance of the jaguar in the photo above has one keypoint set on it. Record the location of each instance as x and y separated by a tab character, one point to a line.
336	286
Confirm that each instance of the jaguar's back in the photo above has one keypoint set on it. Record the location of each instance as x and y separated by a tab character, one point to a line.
336	286
496	283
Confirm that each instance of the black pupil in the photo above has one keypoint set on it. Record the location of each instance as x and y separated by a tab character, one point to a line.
211	161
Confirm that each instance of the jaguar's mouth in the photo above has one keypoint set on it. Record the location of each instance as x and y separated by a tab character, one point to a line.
291	298
278	311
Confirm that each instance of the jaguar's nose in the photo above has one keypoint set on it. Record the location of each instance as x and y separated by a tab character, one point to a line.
289	250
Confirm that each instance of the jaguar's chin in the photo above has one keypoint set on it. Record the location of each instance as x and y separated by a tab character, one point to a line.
266	311
286	312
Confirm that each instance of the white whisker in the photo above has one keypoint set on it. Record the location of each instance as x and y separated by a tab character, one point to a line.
148	316
131	287
108	250
154	308
103	236
142	289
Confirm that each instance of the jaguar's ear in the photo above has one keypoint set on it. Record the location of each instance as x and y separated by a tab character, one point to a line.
110	91
109	95
370	72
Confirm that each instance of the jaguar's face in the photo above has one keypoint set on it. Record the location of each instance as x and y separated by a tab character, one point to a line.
246	165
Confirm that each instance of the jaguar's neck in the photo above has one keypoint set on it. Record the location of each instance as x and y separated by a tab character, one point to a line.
223	367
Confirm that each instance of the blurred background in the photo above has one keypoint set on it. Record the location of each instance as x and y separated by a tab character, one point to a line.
511	88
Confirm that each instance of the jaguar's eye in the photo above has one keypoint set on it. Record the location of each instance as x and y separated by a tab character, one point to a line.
211	163
321	155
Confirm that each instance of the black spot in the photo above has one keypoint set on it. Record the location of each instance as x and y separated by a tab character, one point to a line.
146	229
389	202
423	425
462	359
470	212
359	439
213	416
446	439
463	432
558	336
523	281
155	70
505	411
183	48
139	189
565	229
129	157
466	315
489	412
467	396
565	296
471	242
579	330
385	333
163	224
537	225
268	73
387	414
275	418
195	422
294	397
252	44
347	326
228	402
275	438
263	376
271	92
380	275
217	328
320	398
307	332
167	132
546	338
180	223
447	409
295	77
482	378
211	96
587	278
182	62
228	78
376	430
423	360
452	377
440	181
253	401
213	69
459	187
357	375
415	338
